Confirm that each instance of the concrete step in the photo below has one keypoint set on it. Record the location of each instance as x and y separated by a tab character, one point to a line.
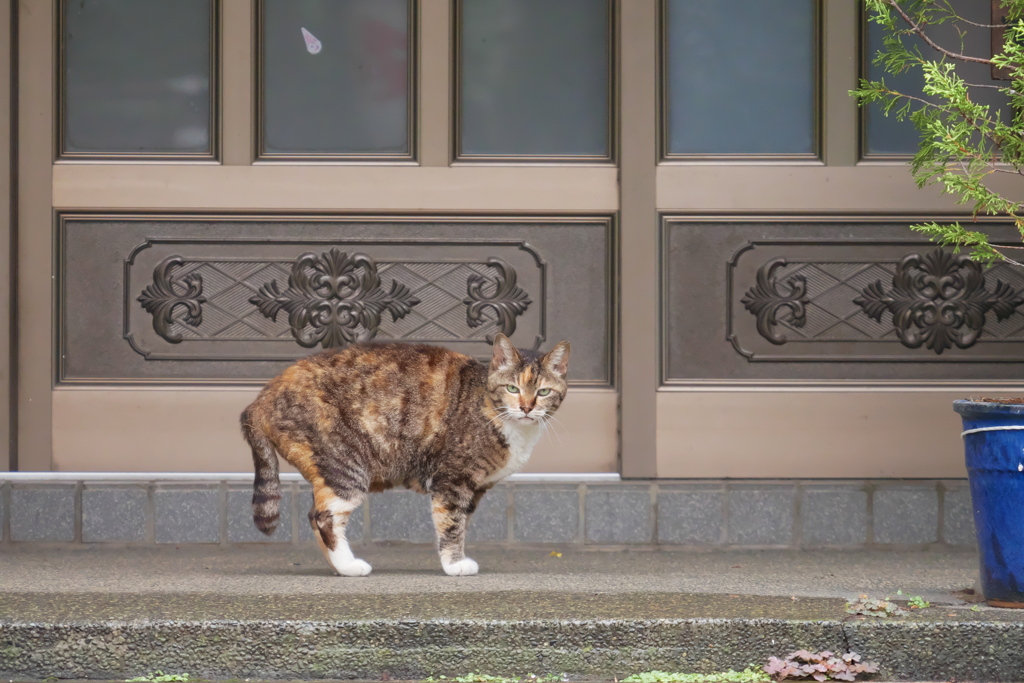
279	614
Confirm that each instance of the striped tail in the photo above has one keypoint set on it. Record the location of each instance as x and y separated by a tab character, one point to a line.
266	487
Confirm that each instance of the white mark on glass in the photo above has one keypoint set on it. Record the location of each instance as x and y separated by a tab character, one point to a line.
313	45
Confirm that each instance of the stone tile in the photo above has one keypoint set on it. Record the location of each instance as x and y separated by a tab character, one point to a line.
691	514
546	515
401	516
241	528
303	502
490	521
761	514
958	514
834	515
114	514
187	515
906	514
619	514
43	513
353	532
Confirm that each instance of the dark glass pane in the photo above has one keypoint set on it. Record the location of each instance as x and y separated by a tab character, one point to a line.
137	76
534	77
741	77
336	77
886	135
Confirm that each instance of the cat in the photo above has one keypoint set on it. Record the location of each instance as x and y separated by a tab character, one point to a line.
373	416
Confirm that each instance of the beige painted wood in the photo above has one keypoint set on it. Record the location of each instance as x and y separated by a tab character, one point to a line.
816	434
237	82
35	229
7	436
435	77
875	188
196	430
356	188
840	70
639	235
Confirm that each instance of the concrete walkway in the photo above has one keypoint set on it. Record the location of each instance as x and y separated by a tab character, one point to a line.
280	613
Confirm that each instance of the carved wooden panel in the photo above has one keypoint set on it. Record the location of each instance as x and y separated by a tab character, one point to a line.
332	300
236	298
843	300
927	300
211	307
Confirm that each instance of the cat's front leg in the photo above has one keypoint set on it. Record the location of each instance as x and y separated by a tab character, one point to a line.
329	519
451	510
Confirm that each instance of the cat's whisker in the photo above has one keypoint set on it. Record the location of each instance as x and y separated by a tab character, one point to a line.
501	417
547	433
498	420
557	432
555	418
556	421
544	424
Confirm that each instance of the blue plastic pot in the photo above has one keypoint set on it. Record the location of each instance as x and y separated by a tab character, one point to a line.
994	448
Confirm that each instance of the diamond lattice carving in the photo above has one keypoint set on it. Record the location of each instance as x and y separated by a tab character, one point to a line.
937	301
432	294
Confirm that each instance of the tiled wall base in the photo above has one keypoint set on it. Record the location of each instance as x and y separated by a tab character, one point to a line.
705	514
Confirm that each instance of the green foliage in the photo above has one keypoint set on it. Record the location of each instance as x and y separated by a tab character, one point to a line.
749	675
821	666
160	677
964	145
915	601
954	235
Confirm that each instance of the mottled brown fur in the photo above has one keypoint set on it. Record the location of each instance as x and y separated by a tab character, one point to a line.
375	416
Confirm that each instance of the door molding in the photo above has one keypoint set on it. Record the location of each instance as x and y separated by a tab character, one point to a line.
35	315
8	241
638	84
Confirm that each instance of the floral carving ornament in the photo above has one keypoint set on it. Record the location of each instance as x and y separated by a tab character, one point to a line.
765	301
939	300
334	299
161	298
508	301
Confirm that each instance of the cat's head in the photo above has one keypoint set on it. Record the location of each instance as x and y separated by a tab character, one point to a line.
526	386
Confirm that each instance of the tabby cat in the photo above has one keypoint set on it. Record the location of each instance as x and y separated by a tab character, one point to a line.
374	416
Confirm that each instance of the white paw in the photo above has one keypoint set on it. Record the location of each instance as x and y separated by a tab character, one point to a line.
355	568
464	567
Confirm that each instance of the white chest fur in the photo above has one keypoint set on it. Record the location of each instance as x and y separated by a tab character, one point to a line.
521	439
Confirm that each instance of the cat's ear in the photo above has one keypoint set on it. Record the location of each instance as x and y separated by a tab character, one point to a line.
556	361
505	355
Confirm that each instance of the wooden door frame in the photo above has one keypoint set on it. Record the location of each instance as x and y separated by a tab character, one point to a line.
8	355
638	384
34	256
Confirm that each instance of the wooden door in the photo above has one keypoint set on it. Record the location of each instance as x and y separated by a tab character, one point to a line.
171	201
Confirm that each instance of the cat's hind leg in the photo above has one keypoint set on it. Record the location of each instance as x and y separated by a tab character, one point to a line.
329	518
451	508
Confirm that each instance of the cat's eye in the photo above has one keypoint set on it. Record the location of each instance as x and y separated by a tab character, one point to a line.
512	388
543	392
